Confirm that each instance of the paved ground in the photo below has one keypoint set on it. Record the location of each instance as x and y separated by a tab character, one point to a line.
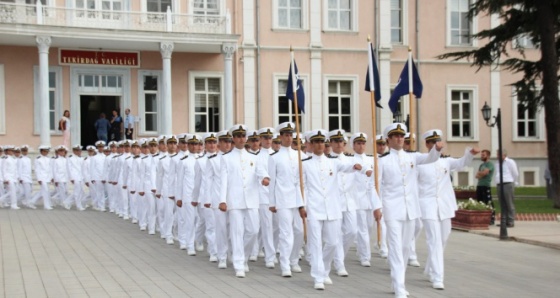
543	233
90	254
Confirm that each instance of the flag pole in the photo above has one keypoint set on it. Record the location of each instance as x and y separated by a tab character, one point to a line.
298	139
412	120
374	132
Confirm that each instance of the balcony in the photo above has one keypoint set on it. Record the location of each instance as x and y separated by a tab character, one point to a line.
16	14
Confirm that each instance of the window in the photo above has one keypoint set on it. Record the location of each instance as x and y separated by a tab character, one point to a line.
529	176
460	27
104	9
339	105
340	15
464	177
462	113
148	101
397	21
55	99
523	41
98	84
285	107
207	99
528	122
206	7
159	5
290	14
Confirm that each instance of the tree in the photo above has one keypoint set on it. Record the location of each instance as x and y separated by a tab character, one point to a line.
538	20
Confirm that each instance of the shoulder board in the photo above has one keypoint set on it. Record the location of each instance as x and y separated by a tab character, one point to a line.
135	157
203	154
155	155
330	156
212	156
69	155
128	157
145	157
256	153
410	151
384	154
227	152
306	158
38	156
53	157
348	154
174	155
370	155
116	156
85	158
184	157
445	156
274	152
163	157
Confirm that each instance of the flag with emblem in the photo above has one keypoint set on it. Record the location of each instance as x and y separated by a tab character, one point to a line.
372	76
295	86
409	82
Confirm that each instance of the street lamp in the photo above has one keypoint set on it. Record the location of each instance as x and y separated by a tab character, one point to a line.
486	114
397	117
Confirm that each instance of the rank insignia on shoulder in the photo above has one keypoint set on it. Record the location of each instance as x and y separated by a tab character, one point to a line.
163	157
273	153
306	158
212	156
184	157
384	154
348	154
145	157
410	151
370	155
227	152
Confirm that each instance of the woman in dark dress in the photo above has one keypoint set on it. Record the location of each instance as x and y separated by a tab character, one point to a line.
116	123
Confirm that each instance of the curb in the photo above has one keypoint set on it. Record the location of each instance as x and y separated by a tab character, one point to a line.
534	216
512	238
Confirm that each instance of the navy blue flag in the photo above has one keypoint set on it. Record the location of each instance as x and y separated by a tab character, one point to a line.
402	87
299	88
372	76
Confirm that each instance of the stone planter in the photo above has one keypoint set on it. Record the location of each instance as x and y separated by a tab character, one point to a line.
465	194
471	219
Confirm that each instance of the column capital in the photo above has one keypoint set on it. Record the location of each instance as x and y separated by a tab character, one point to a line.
166	48
43	43
228	49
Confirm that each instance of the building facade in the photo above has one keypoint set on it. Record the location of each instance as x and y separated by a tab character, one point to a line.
203	65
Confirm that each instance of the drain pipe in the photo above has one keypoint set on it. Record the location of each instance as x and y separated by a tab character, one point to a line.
258	21
417	50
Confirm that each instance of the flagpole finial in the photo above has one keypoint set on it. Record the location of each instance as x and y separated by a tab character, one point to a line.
409	49
291	49
368	38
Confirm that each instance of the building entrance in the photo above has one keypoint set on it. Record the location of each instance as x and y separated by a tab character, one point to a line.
91	107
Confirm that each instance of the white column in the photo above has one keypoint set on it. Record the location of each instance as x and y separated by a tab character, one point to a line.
249	89
316	92
166	49
43	43
228	49
248	22
384	55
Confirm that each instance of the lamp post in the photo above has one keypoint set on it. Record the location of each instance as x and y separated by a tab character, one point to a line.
486	114
397	117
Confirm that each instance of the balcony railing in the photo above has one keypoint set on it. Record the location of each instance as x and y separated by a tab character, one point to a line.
11	13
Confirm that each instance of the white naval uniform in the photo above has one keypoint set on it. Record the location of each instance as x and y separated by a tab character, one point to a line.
150	188
200	230
126	169
86	174
43	173
186	215
324	214
398	178
96	167
200	193
349	227
367	201
110	163
105	180
60	176
121	193
2	158
75	164
142	193
438	205
24	170
134	181
213	189
167	175
285	196
240	180
10	175
160	206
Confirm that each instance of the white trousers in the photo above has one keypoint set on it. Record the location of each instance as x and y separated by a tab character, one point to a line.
151	212
399	237
168	217
26	188
349	229
124	201
98	194
78	195
160	214
62	193
417	229
221	234
43	193
266	237
113	196
186	217
364	224
243	231
437	233
322	239
290	240
142	210
10	195
210	232
200	232
133	204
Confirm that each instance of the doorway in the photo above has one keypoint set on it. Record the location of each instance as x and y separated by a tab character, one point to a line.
91	107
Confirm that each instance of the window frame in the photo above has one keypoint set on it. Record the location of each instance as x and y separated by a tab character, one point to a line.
142	102
404	24
523	170
2	101
475	111
174	7
404	104
192	75
539	120
470	173
473	27
354	101
306	121
304	17
354	28
37	100
221	7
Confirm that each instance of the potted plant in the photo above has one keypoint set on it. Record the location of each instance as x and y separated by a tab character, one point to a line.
465	192
472	215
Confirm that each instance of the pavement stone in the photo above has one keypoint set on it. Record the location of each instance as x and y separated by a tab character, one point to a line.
64	253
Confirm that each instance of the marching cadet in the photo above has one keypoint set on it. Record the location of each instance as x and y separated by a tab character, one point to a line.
60	176
110	175
328	150
126	172
438	203
201	192
212	200
398	178
131	178
105	179
165	186
194	148
150	184
285	199
240	176
381	247
160	210
322	207
140	182
24	167
413	258
367	200
186	212
254	148
10	177
121	180
75	165
86	173
43	173
182	147
381	144
96	166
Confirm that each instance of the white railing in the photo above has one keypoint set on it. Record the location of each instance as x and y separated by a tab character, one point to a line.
105	19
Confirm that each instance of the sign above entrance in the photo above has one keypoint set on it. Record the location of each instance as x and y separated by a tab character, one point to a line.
102	58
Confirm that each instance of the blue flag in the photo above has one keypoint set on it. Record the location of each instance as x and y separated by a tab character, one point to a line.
402	87
299	88
372	76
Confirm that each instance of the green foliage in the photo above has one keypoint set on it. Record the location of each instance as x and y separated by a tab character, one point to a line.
525	191
530	206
